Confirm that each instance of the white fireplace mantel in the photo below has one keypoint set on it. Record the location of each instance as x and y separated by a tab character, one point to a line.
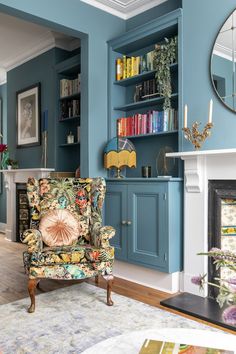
199	168
11	178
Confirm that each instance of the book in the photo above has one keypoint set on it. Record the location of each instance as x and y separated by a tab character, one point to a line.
151	346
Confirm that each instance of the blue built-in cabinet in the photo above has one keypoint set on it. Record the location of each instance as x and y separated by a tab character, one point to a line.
148	221
146	212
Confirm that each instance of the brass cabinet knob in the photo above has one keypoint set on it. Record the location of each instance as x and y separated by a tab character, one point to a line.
129	222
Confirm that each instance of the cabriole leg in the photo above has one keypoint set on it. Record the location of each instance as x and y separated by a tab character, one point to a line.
32	283
109	279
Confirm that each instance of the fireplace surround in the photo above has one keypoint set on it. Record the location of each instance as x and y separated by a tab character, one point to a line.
11	179
200	167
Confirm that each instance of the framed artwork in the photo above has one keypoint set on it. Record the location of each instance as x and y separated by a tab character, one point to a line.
28	116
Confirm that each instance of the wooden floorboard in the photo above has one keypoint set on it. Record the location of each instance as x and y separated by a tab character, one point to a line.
13	284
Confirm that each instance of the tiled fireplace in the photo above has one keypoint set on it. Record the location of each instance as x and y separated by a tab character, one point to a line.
221	224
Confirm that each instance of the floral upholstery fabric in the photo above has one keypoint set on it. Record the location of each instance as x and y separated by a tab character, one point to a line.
89	255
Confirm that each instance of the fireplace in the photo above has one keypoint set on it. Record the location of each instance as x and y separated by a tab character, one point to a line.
221	225
22	210
11	179
208	174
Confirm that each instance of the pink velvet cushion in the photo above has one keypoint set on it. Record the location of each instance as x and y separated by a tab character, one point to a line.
59	228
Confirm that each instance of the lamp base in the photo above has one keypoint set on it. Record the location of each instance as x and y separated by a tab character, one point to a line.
118	173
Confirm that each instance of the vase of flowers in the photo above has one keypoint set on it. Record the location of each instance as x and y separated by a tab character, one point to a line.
226	286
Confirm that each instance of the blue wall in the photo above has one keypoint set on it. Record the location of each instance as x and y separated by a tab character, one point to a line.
201	23
39	69
94	27
3	96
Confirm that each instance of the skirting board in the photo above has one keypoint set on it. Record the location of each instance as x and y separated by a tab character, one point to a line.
169	283
2	227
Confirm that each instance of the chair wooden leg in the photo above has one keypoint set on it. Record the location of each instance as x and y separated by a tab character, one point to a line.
32	283
109	279
96	279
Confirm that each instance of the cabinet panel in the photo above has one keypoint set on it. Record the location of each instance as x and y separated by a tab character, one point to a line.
115	213
147	210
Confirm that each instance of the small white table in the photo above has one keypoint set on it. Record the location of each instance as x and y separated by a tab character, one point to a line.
131	343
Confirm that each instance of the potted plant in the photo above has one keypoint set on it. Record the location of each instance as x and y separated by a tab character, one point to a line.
164	55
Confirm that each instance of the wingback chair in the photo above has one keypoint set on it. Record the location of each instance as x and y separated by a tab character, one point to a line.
66	239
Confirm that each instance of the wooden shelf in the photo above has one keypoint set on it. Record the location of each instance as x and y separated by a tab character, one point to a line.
70	97
146	103
66	145
141	77
69	119
150	134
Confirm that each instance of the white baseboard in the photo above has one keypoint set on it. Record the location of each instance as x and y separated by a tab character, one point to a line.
168	283
3	227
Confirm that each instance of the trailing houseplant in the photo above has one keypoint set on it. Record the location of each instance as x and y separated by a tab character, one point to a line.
226	286
164	55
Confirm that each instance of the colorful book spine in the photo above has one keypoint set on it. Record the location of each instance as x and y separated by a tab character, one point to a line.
148	123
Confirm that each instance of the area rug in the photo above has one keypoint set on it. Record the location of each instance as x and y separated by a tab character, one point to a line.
72	319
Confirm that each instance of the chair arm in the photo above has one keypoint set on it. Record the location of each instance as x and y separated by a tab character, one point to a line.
102	235
33	238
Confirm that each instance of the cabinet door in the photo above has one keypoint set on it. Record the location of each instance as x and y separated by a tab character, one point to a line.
115	214
148	228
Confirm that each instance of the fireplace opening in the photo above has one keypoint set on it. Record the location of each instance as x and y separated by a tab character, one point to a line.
221	225
22	210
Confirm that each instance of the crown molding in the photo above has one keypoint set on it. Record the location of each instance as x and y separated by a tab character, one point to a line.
143	8
45	43
105	8
223	52
124	13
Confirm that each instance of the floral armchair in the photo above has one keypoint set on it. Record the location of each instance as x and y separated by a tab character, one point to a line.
66	239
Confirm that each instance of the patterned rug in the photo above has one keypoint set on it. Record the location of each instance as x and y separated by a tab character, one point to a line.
72	319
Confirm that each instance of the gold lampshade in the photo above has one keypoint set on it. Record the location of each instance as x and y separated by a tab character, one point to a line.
119	153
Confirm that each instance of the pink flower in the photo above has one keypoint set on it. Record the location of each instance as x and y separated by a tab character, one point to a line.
229	315
198	280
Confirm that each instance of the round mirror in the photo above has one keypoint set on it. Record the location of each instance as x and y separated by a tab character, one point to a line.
223	63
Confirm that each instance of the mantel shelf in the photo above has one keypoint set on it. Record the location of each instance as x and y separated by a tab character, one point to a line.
146	103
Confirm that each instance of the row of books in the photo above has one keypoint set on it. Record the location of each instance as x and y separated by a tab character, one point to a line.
69	87
147	89
148	123
130	66
69	109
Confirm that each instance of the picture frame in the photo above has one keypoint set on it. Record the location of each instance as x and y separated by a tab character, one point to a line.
28	113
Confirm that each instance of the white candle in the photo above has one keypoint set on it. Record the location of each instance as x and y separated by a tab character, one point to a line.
185	116
210	111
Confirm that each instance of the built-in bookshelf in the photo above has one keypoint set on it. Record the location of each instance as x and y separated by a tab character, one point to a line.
68	117
134	51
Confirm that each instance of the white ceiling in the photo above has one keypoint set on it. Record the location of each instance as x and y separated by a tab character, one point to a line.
21	41
124	8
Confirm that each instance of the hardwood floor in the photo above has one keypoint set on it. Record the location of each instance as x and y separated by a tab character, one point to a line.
13	285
